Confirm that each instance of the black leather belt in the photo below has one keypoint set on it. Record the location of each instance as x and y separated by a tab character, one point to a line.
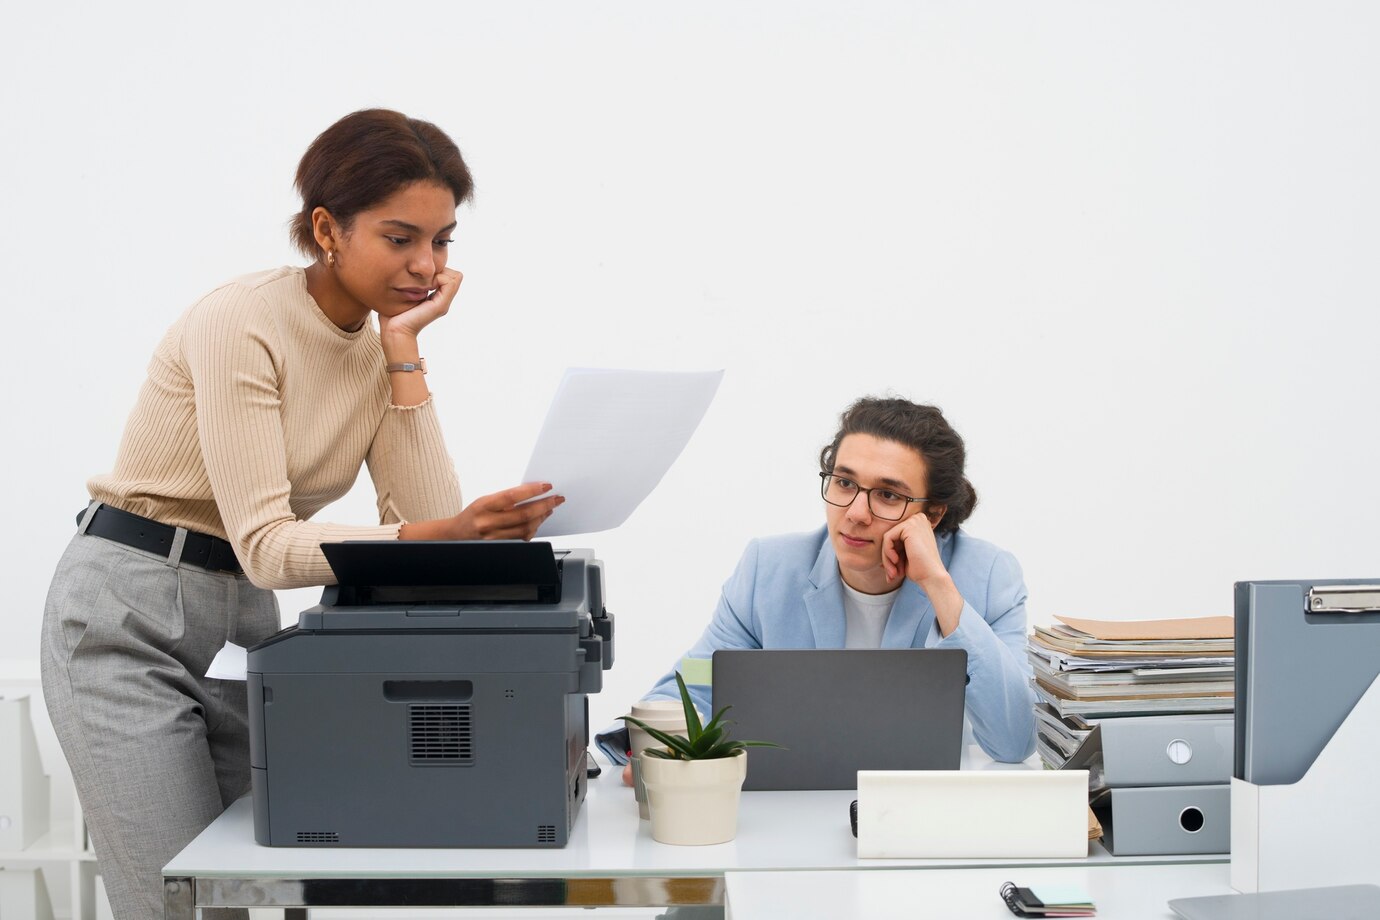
200	549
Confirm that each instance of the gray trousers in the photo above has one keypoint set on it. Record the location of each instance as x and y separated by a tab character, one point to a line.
157	750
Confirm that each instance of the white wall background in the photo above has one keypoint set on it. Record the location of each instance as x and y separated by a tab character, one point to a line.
1130	249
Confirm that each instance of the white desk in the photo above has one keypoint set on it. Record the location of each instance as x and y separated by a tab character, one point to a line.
1119	892
611	860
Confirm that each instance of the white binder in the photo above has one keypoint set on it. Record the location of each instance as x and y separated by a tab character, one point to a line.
968	814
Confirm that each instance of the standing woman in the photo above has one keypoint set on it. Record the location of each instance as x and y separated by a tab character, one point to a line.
261	404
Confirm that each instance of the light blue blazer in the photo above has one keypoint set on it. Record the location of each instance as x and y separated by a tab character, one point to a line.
787	593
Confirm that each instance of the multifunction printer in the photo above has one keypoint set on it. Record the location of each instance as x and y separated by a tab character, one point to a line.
436	697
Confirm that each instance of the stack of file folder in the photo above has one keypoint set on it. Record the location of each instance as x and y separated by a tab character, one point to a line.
1145	707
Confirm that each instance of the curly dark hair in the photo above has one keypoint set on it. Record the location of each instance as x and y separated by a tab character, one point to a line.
923	429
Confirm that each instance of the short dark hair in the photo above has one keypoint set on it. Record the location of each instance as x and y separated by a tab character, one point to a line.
923	429
367	156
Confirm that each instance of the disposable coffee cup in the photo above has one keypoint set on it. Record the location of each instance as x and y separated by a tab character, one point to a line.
663	715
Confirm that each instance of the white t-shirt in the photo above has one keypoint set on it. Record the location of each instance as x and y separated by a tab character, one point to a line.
866	616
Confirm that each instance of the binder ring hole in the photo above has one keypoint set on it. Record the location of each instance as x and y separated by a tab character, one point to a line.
1191	819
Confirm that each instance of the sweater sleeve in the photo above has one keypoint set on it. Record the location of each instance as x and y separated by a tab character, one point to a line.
230	348
412	471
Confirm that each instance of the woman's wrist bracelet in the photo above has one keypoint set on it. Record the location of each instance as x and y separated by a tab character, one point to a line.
407	367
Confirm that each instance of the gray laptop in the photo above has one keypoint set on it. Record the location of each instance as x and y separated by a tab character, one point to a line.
1343	902
838	711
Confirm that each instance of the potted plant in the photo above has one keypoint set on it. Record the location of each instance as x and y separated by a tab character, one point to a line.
693	783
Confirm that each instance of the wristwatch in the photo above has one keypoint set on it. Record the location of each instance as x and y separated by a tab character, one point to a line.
407	366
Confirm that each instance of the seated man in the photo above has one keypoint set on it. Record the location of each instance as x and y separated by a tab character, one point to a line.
890	569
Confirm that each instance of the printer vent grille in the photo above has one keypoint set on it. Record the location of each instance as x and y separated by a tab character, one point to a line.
440	735
318	837
546	833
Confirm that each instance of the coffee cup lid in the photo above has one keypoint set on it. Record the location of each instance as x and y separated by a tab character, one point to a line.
658	710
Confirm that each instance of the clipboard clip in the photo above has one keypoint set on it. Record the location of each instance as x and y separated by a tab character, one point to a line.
1343	599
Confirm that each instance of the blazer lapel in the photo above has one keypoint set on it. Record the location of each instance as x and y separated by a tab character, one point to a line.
824	599
911	612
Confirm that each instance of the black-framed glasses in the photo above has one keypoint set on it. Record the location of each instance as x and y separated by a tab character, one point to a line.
887	504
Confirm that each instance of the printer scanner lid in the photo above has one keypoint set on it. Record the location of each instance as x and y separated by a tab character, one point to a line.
474	570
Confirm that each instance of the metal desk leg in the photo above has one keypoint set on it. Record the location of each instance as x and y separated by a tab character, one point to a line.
178	903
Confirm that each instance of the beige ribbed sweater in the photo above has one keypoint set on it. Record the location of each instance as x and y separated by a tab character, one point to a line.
257	413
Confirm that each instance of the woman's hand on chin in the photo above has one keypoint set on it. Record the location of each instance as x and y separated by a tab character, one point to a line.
409	323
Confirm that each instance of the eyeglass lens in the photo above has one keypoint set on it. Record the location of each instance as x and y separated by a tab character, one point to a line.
883	503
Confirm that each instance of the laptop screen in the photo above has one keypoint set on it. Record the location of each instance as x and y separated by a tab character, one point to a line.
838	711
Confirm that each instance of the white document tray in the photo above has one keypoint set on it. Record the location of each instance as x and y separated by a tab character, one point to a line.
906	814
1321	830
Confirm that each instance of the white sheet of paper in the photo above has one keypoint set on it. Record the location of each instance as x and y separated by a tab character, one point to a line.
610	436
230	663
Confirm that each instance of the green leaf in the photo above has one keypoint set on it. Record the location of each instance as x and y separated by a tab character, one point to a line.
692	718
714	726
656	733
683	749
709	737
723	749
705	742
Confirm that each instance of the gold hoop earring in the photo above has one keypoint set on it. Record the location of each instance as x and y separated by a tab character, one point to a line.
330	258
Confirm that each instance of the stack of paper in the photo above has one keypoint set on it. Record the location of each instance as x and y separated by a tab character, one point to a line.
1086	670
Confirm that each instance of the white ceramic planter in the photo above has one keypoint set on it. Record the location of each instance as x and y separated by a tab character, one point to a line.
664	715
694	802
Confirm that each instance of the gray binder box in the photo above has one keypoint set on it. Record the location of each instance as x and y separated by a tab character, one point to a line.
1159	783
1165	820
1176	750
437	697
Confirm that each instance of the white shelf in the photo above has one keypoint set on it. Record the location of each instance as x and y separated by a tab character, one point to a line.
54	846
69	868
